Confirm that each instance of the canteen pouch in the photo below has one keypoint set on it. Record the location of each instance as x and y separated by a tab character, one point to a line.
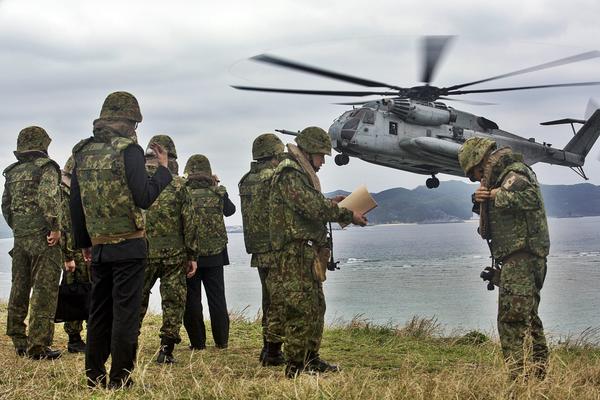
320	263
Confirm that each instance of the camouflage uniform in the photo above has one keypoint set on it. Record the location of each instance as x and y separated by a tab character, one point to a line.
520	243
299	213
31	205
170	232
109	190
255	189
82	269
211	203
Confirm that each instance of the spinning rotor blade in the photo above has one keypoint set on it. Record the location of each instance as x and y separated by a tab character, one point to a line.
280	62
432	47
316	92
472	102
563	61
456	92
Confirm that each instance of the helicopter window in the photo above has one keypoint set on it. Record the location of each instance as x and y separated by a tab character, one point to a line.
365	114
369	117
393	128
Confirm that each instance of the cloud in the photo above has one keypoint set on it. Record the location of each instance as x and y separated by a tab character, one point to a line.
60	60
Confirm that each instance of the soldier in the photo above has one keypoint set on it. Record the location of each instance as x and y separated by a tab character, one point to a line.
255	189
76	269
210	202
299	214
31	205
170	232
513	221
109	188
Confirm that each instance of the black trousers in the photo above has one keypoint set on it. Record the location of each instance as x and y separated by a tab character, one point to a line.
193	320
113	324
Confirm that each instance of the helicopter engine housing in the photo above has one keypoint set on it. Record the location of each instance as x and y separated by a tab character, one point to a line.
427	114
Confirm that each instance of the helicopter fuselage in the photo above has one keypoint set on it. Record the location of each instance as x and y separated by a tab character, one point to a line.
424	138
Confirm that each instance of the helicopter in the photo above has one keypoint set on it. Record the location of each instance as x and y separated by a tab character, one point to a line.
410	129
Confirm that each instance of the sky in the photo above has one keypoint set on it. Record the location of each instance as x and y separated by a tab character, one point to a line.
59	60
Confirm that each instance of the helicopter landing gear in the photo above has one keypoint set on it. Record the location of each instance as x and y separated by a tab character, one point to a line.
432	182
341	159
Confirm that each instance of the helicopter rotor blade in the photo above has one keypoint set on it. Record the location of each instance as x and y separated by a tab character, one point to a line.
563	61
506	89
432	48
280	62
316	92
472	102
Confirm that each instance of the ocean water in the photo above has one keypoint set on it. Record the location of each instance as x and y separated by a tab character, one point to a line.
390	273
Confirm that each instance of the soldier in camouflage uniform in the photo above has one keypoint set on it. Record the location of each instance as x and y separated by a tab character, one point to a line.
76	269
519	242
31	205
255	189
211	202
171	254
297	223
109	189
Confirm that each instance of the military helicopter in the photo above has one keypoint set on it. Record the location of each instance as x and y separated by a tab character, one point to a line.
410	130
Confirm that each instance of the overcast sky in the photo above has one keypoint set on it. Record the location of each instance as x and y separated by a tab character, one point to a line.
60	59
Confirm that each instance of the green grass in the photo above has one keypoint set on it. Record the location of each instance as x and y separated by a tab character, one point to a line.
379	362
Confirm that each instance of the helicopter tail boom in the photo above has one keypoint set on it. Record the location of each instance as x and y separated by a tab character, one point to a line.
585	138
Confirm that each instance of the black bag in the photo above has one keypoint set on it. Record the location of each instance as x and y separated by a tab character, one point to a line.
73	302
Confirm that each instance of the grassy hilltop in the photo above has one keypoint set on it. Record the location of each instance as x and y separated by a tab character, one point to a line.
412	362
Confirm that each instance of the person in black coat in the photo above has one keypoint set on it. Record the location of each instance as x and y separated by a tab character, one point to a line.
211	202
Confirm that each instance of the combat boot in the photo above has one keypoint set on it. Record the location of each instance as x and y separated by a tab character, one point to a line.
75	345
293	369
272	355
165	354
315	364
46	354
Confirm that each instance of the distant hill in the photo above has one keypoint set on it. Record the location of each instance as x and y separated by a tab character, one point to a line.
451	202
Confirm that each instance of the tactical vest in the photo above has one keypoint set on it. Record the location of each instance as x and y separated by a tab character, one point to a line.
22	183
164	226
285	224
515	230
208	203
255	190
111	215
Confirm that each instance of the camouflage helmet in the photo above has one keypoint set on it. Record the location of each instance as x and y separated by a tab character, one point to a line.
314	140
166	142
121	105
197	164
69	165
266	145
473	151
33	138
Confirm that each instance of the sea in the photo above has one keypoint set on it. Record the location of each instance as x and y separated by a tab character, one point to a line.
390	273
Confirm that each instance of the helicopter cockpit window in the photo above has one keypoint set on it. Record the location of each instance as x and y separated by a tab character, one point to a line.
368	116
393	128
365	114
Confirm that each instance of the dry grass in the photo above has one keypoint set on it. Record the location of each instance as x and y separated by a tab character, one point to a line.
379	362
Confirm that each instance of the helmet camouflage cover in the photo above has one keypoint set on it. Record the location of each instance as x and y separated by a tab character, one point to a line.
121	105
473	151
197	164
166	142
314	140
266	145
33	138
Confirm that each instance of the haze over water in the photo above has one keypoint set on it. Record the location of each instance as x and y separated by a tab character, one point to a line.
391	272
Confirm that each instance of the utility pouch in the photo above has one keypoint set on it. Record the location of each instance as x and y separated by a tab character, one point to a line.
320	263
